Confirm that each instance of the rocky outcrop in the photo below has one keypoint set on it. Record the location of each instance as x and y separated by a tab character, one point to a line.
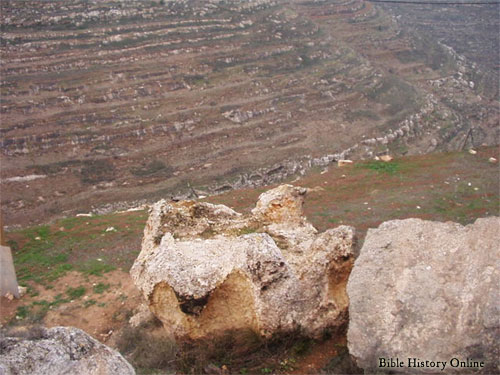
429	291
282	205
59	350
205	268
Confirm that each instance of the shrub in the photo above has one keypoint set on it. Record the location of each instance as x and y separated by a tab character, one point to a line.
238	349
55	168
95	171
154	168
241	351
146	351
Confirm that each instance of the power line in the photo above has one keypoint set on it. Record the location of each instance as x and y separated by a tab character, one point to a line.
434	2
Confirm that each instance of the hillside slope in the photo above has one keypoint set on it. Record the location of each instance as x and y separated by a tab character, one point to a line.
113	101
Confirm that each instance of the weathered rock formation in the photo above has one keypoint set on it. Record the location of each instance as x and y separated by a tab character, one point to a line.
427	290
59	350
205	268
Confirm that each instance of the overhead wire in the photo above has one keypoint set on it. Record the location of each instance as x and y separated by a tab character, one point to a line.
435	2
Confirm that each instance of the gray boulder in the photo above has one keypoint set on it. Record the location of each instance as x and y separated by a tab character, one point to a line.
59	350
424	292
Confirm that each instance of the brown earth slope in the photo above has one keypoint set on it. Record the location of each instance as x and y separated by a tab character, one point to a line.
105	102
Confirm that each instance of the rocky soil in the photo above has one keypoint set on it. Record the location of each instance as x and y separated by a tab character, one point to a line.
131	101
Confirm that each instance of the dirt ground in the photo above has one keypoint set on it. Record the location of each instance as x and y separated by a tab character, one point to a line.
99	314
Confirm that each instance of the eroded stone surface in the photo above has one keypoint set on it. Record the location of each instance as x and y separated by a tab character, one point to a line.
427	290
280	205
60	350
205	269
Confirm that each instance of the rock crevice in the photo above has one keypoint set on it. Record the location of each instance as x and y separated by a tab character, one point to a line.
205	268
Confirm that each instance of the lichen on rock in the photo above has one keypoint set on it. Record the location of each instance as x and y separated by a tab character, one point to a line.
201	276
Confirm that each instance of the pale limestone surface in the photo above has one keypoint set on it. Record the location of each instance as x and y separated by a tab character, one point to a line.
427	290
205	269
58	351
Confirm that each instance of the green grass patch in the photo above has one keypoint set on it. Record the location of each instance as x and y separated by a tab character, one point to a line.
101	288
75	293
22	312
37	260
71	222
14	246
96	267
58	271
89	303
45	253
463	205
381	167
31	291
36	311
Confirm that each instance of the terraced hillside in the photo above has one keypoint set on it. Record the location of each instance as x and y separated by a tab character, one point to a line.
119	101
472	30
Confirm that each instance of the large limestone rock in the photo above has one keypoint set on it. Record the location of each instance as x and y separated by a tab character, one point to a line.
205	269
58	351
280	205
427	290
